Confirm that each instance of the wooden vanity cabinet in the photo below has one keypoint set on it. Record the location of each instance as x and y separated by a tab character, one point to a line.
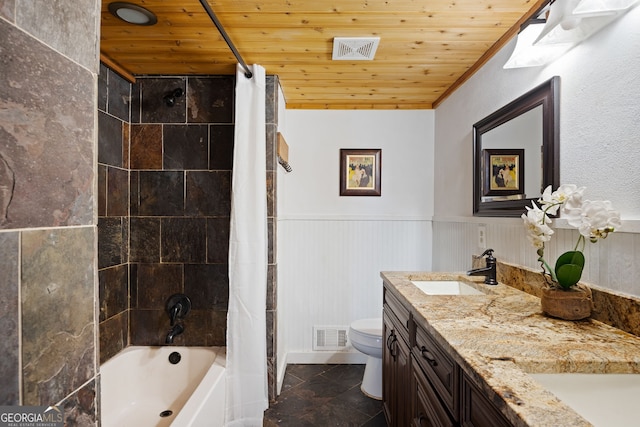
422	386
396	373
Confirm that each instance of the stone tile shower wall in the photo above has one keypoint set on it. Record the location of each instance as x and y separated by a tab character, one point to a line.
178	162
164	202
114	95
47	226
272	89
181	158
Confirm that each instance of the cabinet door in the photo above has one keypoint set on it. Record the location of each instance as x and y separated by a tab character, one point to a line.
388	371
403	381
477	409
396	374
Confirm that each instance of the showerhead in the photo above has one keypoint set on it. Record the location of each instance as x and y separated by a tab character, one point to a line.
170	98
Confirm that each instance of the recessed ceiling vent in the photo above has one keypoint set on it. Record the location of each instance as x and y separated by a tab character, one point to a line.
355	48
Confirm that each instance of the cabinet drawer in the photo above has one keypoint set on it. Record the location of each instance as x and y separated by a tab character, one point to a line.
439	369
427	411
401	314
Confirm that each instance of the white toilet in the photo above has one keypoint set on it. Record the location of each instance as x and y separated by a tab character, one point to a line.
366	336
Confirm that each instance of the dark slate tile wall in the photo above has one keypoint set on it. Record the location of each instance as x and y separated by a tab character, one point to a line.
114	94
46	156
180	201
181	157
48	71
9	320
272	285
57	313
8	9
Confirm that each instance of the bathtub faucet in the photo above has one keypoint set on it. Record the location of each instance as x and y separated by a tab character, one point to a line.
173	313
176	329
177	306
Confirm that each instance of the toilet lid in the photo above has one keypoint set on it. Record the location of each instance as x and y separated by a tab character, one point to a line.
368	326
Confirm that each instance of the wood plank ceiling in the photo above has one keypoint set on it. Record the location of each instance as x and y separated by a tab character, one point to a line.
427	47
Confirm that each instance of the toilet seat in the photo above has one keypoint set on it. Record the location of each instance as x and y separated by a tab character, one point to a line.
371	327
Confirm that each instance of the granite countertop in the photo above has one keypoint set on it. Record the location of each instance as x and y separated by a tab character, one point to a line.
499	337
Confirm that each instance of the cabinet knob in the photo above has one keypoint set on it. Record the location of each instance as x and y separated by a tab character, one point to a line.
429	356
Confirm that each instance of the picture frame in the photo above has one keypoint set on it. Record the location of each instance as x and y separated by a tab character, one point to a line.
503	172
360	172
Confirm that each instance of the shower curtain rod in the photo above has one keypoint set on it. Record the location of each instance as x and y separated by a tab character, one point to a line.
248	74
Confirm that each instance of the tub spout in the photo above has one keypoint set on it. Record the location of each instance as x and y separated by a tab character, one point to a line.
176	330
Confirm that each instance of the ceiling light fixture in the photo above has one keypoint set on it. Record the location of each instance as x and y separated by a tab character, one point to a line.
572	21
568	23
526	54
132	13
588	7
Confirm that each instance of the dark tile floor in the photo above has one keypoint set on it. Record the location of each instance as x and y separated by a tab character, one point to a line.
324	395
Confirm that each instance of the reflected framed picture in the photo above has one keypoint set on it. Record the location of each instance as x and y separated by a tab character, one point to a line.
360	172
503	172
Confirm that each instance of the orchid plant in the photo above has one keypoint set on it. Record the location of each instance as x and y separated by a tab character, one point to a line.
593	219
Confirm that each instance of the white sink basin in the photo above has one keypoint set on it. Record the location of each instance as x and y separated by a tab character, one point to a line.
602	399
445	287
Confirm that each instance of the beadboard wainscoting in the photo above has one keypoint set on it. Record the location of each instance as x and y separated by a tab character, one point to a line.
329	274
609	263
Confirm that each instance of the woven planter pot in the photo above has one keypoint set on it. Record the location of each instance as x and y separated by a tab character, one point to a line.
573	304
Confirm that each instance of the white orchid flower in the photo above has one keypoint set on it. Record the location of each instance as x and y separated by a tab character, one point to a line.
596	220
535	221
567	196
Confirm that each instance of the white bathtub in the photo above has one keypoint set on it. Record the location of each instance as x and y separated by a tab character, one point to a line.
139	385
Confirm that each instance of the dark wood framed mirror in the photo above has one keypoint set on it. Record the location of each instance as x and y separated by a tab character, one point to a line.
516	152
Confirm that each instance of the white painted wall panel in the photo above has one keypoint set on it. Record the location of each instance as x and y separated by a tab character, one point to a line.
331	249
331	270
612	263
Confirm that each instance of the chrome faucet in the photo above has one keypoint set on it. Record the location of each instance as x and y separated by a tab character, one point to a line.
176	330
489	271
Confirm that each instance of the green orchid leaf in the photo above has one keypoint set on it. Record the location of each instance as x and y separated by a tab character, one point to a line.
571	257
569	268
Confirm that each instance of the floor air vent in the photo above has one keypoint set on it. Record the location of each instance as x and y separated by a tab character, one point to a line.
354	48
329	337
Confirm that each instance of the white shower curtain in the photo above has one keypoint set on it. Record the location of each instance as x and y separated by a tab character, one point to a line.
247	396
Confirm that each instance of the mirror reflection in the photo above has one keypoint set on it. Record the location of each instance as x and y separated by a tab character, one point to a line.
516	152
526	129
